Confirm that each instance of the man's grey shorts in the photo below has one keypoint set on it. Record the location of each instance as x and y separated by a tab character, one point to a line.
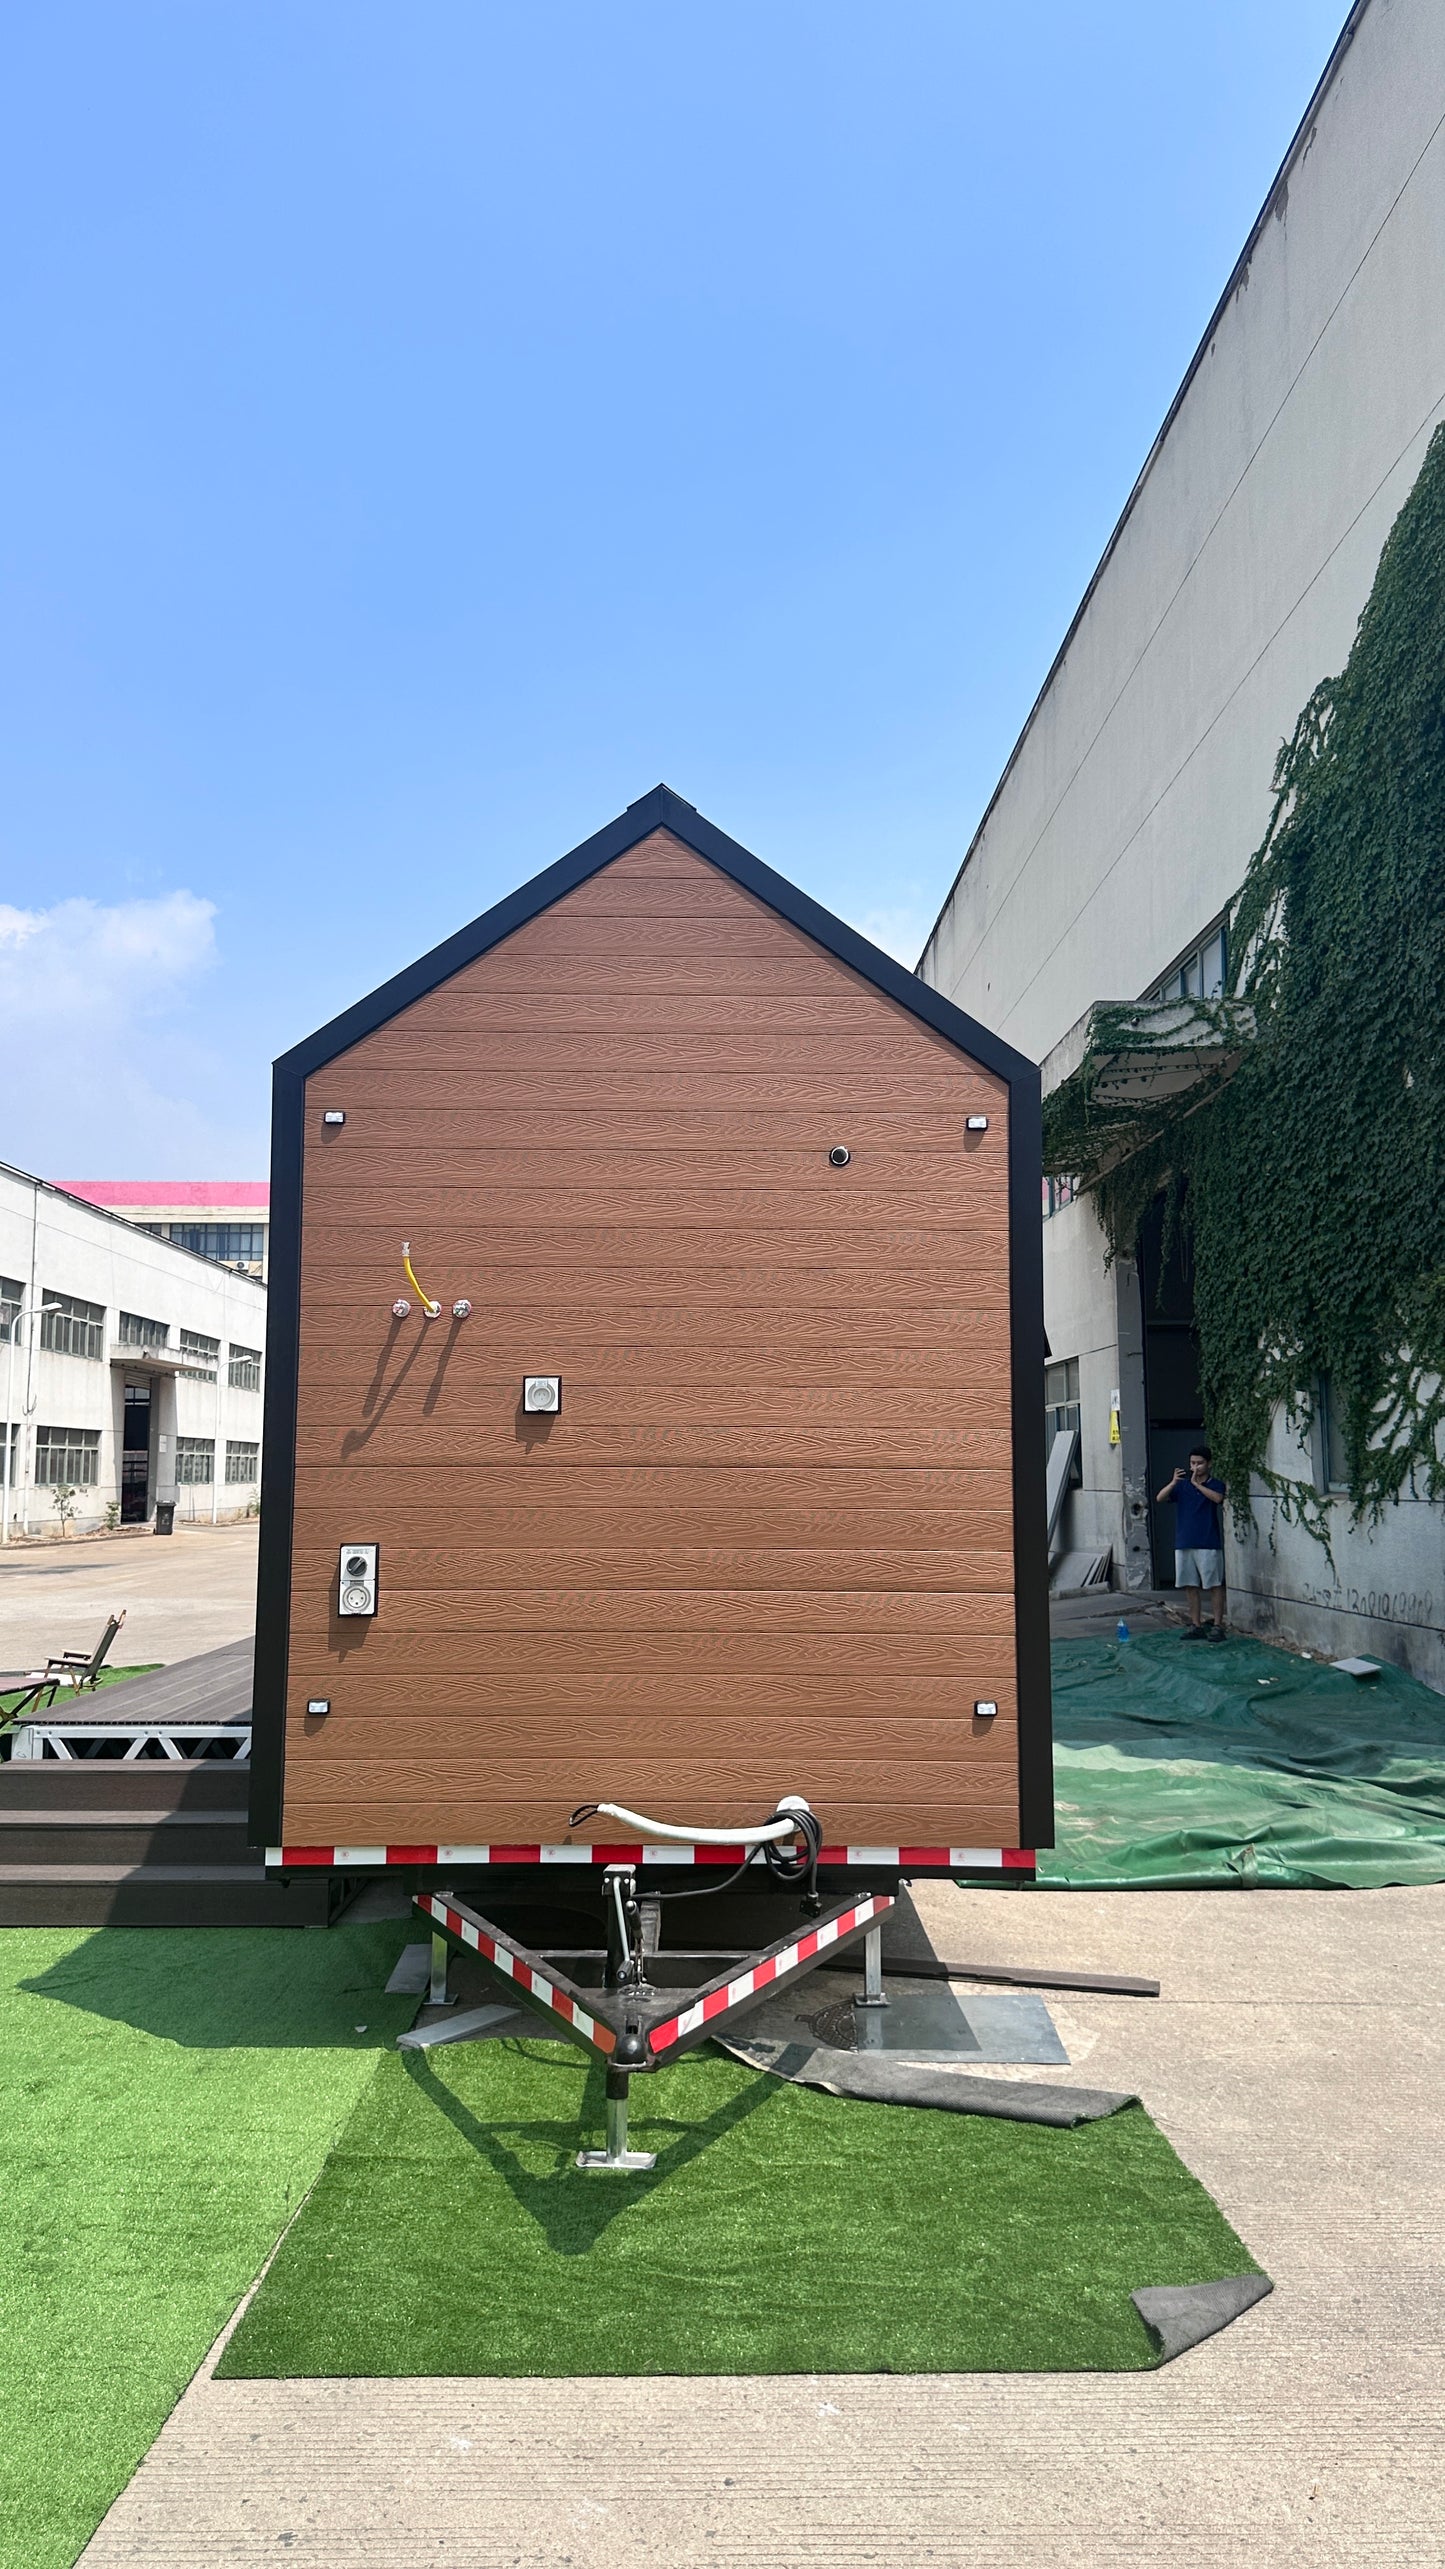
1198	1569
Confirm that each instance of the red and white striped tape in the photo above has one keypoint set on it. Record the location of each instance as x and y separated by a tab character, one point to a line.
911	1859
773	1967
545	1991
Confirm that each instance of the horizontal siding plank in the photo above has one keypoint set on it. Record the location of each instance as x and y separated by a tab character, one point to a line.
968	1250
439	1489
765	1534
493	1408
648	1015
706	897
786	1050
414	1613
630	1569
750	973
725	1135
978	1208
389	1440
918	1343
546	1087
978	1361
549	1738
677	926
749	1781
718	1700
563	1168
569	1651
938	1289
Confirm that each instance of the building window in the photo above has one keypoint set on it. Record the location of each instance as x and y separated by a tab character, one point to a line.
244	1373
195	1459
9	1445
1332	1453
243	1461
232	1243
1061	1410
12	1294
67	1454
1199	975
137	1331
1058	1191
200	1351
72	1328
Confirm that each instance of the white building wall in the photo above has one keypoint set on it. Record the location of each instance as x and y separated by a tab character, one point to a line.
1233	584
52	1243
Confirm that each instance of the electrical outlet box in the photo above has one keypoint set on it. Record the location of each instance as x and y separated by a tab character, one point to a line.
356	1580
542	1394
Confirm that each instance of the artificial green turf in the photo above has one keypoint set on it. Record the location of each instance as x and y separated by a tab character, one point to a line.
168	2096
783	2231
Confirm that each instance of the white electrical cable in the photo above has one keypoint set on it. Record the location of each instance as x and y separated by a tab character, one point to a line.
769	1836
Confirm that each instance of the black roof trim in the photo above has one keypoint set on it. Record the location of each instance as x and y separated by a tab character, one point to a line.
661	809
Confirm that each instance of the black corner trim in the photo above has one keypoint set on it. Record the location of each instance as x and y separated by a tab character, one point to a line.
659	809
278	1458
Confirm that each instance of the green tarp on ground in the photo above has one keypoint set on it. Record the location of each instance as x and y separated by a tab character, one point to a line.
1224	1765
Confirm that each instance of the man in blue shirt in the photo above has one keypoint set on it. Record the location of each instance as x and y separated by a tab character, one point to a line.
1197	1500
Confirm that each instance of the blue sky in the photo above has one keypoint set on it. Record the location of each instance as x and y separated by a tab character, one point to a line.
427	428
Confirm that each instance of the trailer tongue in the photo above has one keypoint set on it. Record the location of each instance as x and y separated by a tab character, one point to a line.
638	2008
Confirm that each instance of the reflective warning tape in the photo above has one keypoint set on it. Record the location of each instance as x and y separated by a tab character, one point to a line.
915	1859
545	1991
773	1968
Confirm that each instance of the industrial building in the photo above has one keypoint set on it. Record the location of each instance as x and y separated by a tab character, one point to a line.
131	1370
1122	826
228	1219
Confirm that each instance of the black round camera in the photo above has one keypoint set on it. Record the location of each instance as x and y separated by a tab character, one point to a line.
839	1156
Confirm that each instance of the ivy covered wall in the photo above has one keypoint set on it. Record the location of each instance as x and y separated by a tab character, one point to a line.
1312	1182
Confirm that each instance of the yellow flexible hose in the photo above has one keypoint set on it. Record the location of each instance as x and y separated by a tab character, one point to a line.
424	1298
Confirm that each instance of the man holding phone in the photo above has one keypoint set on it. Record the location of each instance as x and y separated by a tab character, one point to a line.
1198	1500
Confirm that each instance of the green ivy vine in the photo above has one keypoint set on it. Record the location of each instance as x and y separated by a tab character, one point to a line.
1312	1181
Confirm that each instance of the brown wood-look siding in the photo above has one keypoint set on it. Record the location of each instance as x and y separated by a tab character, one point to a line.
767	1545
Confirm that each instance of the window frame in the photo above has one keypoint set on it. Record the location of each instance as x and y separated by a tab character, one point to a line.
80	1444
250	1477
72	1314
189	1450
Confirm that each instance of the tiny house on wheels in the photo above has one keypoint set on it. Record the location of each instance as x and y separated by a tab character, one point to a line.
653	1468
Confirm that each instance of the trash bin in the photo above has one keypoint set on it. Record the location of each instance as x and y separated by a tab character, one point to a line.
165	1516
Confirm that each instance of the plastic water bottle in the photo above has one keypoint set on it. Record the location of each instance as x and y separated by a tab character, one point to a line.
1121	1630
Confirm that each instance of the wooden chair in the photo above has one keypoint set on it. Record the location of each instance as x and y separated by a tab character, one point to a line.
77	1671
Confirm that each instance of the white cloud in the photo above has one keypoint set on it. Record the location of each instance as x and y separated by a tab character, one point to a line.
105	1075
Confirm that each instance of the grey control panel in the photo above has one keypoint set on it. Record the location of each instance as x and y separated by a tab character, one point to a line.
356	1579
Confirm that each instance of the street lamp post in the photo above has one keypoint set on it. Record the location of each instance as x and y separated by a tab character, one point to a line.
36	1312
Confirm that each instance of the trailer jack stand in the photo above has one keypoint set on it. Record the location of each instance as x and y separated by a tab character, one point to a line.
873	1992
617	2157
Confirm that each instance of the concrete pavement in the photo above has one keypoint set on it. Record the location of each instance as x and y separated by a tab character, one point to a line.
1296	2059
186	1592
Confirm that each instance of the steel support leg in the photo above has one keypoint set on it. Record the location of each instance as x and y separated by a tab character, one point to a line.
437	1994
617	2155
874	1993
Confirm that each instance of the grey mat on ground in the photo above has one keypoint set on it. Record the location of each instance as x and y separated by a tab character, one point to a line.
933	2025
1183	2315
882	2078
459	2029
412	1974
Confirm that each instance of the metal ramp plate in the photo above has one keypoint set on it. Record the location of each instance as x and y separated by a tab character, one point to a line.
943	2025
